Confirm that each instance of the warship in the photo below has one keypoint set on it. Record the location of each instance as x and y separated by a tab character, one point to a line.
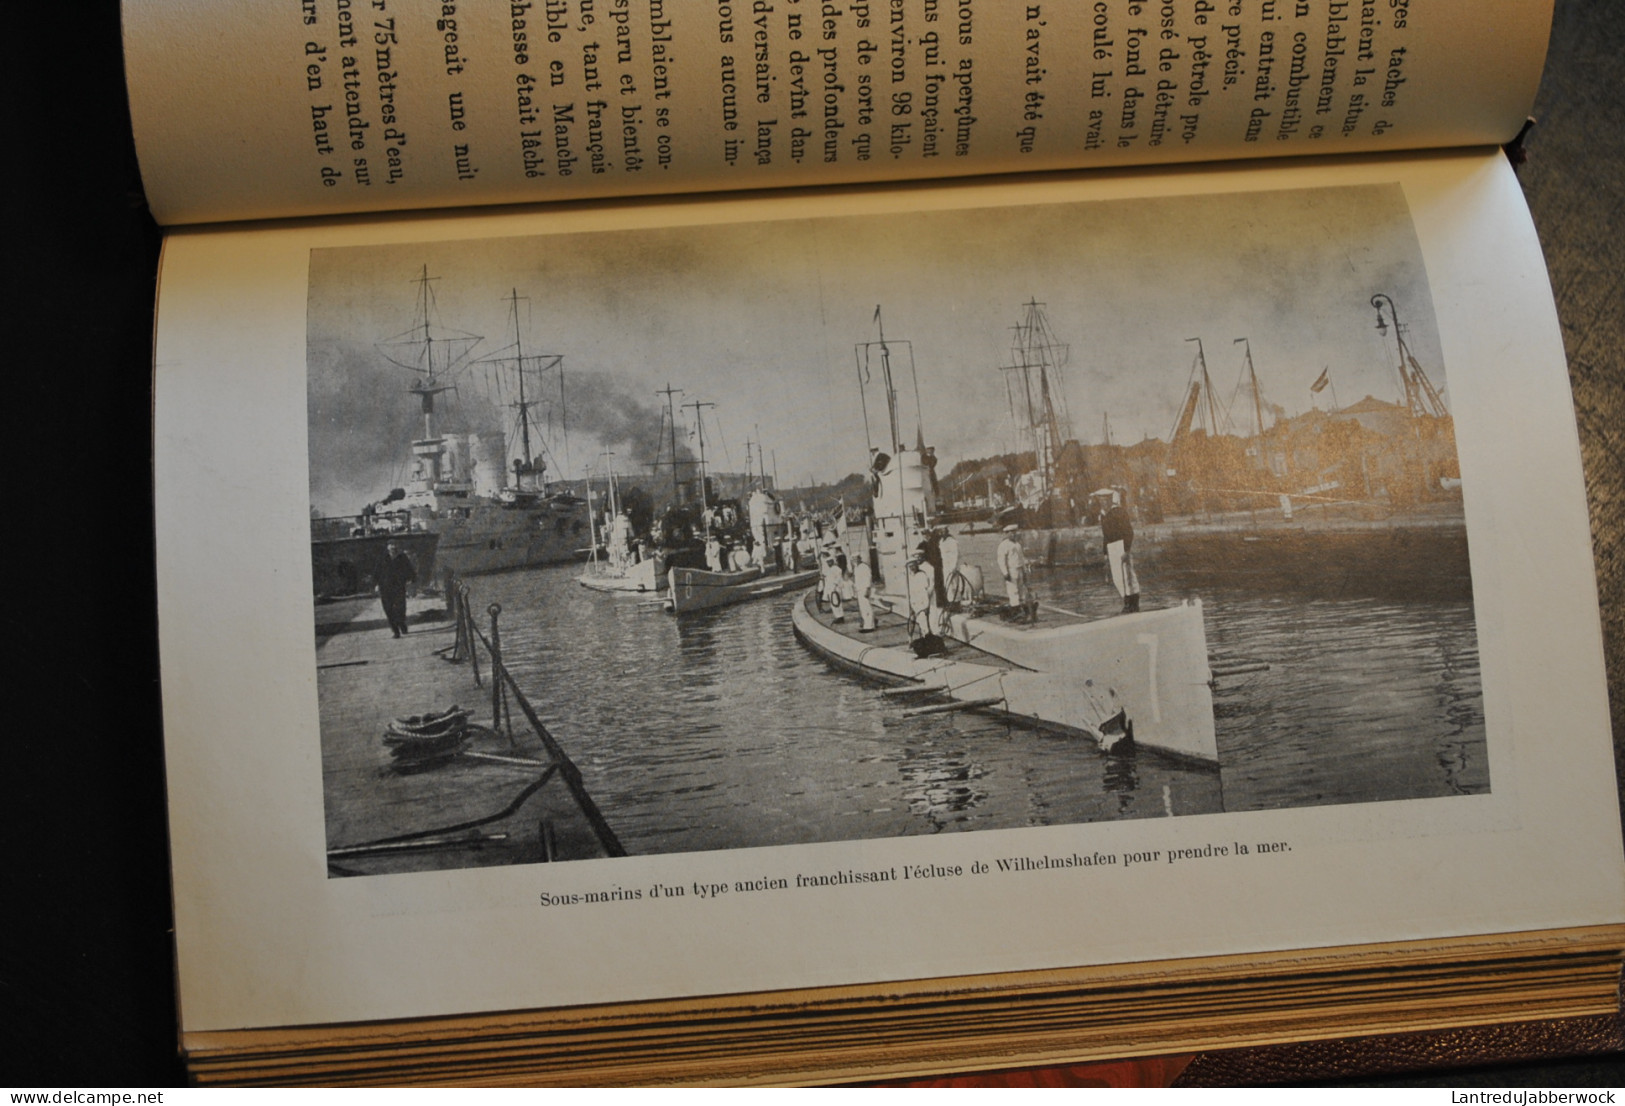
483	514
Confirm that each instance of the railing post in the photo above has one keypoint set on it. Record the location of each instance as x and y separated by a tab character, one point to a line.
501	719
454	607
467	621
497	670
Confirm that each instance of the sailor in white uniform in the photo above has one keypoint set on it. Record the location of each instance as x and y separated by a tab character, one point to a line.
863	584
1013	567
922	597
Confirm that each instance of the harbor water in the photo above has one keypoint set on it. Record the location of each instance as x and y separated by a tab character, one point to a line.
721	730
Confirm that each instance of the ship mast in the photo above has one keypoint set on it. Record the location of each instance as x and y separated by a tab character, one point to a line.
1258	402
526	466
1200	407
434	356
1206	402
592	521
671	421
1035	353
432	380
1252	379
699	427
614	506
757	475
891	390
614	486
519	357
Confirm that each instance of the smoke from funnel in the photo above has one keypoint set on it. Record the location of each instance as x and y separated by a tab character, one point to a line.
362	419
604	407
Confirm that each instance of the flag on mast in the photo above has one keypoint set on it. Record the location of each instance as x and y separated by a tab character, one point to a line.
1322	380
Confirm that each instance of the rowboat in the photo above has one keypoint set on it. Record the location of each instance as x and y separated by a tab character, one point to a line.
638	579
696	589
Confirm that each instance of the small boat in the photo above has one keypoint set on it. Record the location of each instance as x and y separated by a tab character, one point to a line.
765	564
643	577
415	756
695	589
610	567
420	741
420	726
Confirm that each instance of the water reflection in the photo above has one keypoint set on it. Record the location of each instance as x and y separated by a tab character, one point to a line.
1122	779
939	786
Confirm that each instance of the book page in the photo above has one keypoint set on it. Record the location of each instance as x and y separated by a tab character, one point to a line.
247	110
1333	402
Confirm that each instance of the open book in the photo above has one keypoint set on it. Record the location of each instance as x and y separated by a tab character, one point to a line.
903	624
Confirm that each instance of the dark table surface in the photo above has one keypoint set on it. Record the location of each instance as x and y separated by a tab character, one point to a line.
86	983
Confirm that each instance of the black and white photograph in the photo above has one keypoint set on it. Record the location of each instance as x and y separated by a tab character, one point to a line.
772	533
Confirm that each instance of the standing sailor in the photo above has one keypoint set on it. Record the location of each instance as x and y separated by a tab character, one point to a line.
394	577
1013	567
620	541
922	598
933	559
937	612
948	551
843	567
831	583
863	583
1117	541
